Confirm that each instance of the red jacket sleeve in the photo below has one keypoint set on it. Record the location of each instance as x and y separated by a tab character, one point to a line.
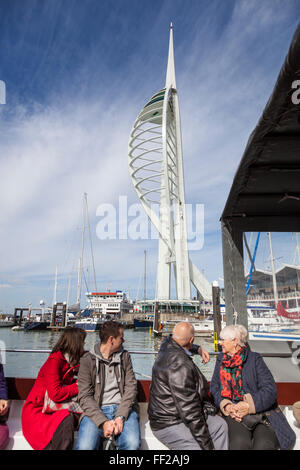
53	380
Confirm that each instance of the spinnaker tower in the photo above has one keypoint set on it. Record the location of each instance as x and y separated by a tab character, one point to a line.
156	170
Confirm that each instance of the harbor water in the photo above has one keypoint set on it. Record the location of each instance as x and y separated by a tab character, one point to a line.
19	364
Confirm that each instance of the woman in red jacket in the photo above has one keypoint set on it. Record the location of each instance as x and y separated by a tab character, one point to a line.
54	431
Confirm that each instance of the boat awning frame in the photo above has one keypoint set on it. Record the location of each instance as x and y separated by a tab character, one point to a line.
265	193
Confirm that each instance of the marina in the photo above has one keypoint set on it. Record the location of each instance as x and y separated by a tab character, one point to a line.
28	365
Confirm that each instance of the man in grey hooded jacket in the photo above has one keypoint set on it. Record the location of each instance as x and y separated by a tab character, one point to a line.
107	393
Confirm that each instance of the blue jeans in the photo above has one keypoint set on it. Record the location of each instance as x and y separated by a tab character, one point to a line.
89	435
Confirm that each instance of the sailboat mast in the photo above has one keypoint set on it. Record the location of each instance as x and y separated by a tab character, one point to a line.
298	248
252	265
273	271
79	282
68	292
92	253
55	287
145	264
82	250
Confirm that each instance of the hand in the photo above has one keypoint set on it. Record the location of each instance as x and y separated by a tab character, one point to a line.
204	354
119	423
3	407
108	428
229	408
232	410
242	409
234	414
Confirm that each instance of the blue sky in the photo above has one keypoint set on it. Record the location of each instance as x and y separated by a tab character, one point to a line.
77	74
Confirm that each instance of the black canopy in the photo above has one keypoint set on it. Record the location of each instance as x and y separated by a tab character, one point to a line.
265	194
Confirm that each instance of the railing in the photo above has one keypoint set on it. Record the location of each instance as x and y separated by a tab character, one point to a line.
213	353
282	295
48	351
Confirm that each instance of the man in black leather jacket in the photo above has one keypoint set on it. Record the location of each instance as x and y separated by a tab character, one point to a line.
177	414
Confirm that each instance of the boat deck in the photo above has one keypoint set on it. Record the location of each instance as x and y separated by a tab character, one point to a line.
19	388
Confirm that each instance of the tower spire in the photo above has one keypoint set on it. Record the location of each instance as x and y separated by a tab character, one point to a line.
164	186
170	78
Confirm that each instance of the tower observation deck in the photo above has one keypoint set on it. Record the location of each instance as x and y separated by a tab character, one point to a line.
156	170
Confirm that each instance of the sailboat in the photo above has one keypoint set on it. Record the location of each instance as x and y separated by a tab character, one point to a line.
146	320
87	320
267	317
38	319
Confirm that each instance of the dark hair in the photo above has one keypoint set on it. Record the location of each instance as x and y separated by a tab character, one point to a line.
71	342
109	328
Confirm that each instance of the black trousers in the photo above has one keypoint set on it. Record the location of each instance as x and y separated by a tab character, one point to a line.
262	437
63	438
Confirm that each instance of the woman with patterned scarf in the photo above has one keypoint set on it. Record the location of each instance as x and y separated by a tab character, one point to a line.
244	389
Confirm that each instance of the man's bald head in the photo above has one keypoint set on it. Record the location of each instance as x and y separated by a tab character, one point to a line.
183	334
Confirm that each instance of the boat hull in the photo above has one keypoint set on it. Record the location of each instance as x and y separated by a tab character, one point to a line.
88	327
36	325
274	336
6	324
142	323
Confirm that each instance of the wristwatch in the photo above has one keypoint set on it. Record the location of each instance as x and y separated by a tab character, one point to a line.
122	417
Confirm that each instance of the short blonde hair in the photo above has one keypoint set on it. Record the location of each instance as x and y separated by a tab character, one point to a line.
235	331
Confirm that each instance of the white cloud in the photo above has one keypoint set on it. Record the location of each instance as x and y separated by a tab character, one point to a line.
52	155
58	154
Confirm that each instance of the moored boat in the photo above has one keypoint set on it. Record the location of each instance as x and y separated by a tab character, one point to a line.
6	323
36	325
114	304
89	324
146	322
275	335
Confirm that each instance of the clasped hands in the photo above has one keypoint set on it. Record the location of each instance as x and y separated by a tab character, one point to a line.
238	411
3	407
112	427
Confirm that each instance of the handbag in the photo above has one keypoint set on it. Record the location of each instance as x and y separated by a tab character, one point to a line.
72	405
51	406
251	421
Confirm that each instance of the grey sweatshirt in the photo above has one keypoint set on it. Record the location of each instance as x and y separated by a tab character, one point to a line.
111	393
92	385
